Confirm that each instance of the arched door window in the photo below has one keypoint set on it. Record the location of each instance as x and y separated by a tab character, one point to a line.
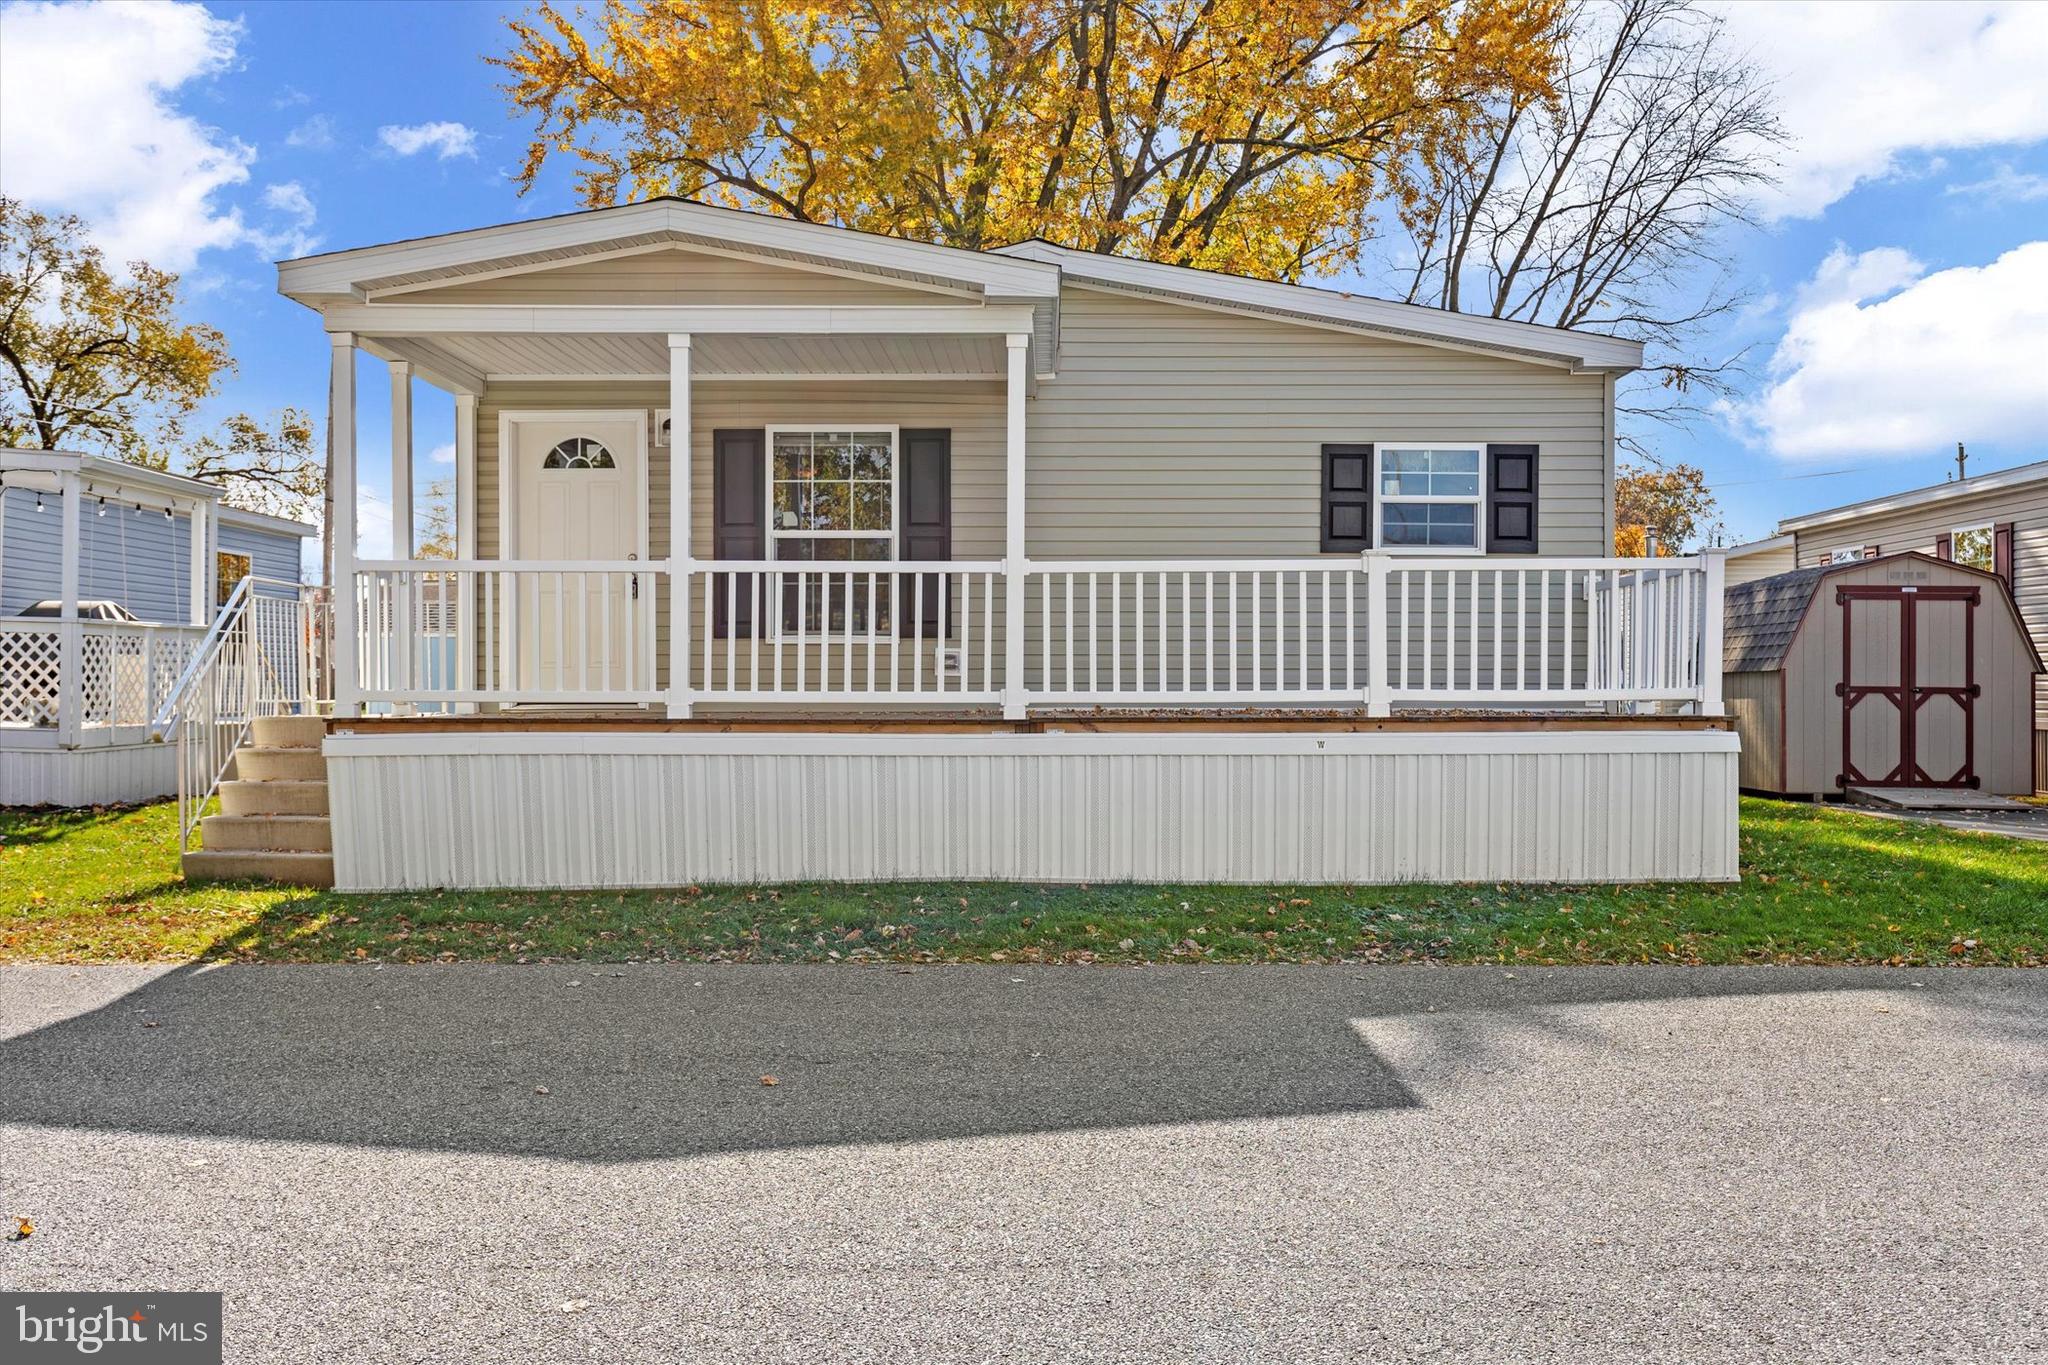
579	452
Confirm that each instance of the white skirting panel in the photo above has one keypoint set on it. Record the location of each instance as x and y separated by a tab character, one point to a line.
610	810
104	775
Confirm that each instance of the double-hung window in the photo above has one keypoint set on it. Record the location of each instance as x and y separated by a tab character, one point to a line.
1430	496
1974	546
832	500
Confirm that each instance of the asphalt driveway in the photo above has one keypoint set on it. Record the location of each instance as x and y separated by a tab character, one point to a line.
478	1163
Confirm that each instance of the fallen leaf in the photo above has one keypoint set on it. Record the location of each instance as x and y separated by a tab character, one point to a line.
575	1305
770	1080
541	1090
23	1230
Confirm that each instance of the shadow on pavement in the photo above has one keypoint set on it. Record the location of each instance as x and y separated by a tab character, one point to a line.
645	1062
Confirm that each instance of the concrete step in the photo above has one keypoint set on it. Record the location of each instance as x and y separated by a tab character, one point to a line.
292	869
267	833
257	763
273	798
288	732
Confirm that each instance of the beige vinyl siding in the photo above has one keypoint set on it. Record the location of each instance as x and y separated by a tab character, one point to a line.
1169	432
1173	430
1761	564
678	278
1915	528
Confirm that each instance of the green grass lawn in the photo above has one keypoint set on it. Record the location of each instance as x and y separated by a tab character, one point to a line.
1818	885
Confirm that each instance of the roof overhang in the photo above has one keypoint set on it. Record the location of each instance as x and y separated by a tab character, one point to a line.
44	467
1765	546
2019	476
1579	351
263	521
542	243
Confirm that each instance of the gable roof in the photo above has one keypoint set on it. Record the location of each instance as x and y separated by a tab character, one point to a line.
1761	618
1032	271
2019	476
1333	308
539	243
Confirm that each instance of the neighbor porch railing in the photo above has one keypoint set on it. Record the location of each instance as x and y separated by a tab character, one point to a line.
264	655
1375	631
124	672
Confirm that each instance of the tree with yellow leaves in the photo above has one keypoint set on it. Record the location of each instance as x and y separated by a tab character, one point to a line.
1251	136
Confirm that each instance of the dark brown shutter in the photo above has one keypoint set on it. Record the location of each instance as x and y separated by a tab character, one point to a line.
2001	551
1944	547
739	507
1511	500
1347	498
925	526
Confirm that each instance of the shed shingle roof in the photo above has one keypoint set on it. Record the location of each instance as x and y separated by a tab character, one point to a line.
1763	615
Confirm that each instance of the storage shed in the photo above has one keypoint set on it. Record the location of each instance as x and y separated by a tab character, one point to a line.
1900	671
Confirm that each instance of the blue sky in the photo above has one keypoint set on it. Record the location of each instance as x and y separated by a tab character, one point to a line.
1898	282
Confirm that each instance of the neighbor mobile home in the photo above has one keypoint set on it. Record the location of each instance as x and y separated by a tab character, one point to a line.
110	575
787	551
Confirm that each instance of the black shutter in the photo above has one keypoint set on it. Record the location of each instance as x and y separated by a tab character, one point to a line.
739	506
925	521
1347	498
2001	552
1511	500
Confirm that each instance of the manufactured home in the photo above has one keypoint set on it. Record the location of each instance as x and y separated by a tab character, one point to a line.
787	551
1996	521
110	575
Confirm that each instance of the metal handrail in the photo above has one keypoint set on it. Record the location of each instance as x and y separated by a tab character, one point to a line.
232	679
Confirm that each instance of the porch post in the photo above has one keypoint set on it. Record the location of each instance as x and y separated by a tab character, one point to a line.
1017	352
70	681
401	459
1710	703
404	642
201	574
1377	703
680	549
341	476
465	542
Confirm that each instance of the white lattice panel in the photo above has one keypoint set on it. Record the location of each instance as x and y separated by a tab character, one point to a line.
30	662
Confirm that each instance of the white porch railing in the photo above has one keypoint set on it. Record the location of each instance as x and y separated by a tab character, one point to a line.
850	633
542	631
125	670
1376	631
263	656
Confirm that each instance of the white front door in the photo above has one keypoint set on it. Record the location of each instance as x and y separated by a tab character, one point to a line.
579	480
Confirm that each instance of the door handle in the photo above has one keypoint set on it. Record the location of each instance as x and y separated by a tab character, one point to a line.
634	580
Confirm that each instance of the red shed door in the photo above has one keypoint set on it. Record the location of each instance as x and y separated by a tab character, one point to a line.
1908	686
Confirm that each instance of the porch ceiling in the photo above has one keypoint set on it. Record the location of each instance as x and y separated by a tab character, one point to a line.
503	358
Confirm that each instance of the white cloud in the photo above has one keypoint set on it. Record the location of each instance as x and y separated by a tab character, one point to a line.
1864	86
443	453
290	197
445	140
1882	359
295	236
316	134
87	124
2005	185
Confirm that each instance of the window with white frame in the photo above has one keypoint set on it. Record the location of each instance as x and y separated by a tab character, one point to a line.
832	494
1972	545
1429	496
832	500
